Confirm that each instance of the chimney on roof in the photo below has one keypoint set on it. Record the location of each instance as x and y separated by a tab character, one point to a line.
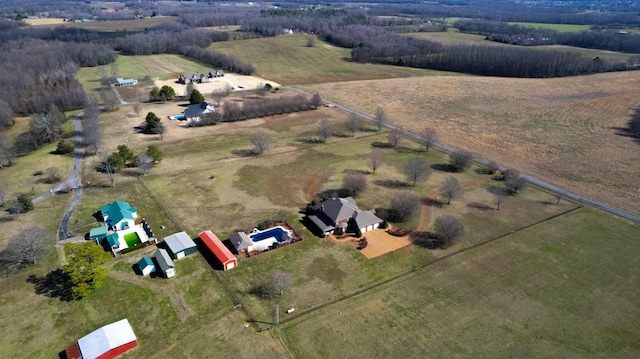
322	207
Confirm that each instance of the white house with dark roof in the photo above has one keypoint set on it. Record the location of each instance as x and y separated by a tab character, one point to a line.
342	214
194	112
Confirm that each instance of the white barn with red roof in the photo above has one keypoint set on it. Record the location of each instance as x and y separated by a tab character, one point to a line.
105	343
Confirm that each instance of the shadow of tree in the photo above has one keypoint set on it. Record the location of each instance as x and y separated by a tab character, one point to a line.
342	135
402	149
480	206
388	183
55	284
433	202
261	291
353	172
425	239
444	167
379	144
309	140
244	152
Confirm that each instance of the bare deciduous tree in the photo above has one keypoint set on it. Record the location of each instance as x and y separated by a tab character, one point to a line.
353	123
261	142
261	90
404	205
6	115
279	281
493	167
461	160
417	169
374	159
91	127
380	118
143	162
160	129
311	42
4	192
26	247
500	193
217	96
448	229
110	100
429	136
136	108
514	180
324	129
110	169
53	175
395	136
354	183
450	189
7	152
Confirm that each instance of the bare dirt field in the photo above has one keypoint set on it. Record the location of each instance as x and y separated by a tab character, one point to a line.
236	82
567	131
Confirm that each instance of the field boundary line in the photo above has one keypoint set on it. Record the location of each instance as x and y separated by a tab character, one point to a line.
306	313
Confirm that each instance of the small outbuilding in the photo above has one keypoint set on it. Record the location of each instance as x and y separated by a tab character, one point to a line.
180	245
165	263
224	255
109	341
146	266
241	241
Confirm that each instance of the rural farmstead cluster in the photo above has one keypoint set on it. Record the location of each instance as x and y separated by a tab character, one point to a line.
187	179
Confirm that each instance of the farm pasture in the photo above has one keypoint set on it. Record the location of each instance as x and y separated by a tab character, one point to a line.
567	131
560	288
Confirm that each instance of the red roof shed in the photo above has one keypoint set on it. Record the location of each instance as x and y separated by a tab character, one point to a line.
221	252
105	343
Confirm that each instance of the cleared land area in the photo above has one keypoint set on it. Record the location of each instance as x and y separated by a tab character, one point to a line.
287	60
558	289
454	37
568	131
557	27
104	26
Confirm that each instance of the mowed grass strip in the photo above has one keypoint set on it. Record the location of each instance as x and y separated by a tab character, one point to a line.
556	27
559	289
288	61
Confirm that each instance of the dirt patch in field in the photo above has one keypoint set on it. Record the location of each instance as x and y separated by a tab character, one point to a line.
234	81
566	131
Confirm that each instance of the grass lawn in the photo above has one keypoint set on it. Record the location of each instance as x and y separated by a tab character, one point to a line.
558	289
557	27
286	59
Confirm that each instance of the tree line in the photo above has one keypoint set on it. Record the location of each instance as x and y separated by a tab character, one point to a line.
233	111
188	42
526	36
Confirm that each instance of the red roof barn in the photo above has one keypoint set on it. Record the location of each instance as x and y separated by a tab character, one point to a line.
105	343
221	252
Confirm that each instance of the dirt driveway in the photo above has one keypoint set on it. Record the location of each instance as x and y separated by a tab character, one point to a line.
235	81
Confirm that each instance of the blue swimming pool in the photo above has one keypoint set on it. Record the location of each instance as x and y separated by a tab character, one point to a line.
178	117
279	233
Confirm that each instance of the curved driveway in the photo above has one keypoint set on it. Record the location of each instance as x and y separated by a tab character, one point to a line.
538	182
72	182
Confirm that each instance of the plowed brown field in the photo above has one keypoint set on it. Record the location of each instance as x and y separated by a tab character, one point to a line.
566	131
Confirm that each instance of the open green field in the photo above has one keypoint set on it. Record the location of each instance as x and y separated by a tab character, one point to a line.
286	59
556	27
558	289
458	38
162	67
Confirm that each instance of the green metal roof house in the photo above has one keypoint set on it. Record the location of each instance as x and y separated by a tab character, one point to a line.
180	245
119	215
98	234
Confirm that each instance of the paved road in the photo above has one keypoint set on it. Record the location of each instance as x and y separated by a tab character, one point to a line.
72	182
538	182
